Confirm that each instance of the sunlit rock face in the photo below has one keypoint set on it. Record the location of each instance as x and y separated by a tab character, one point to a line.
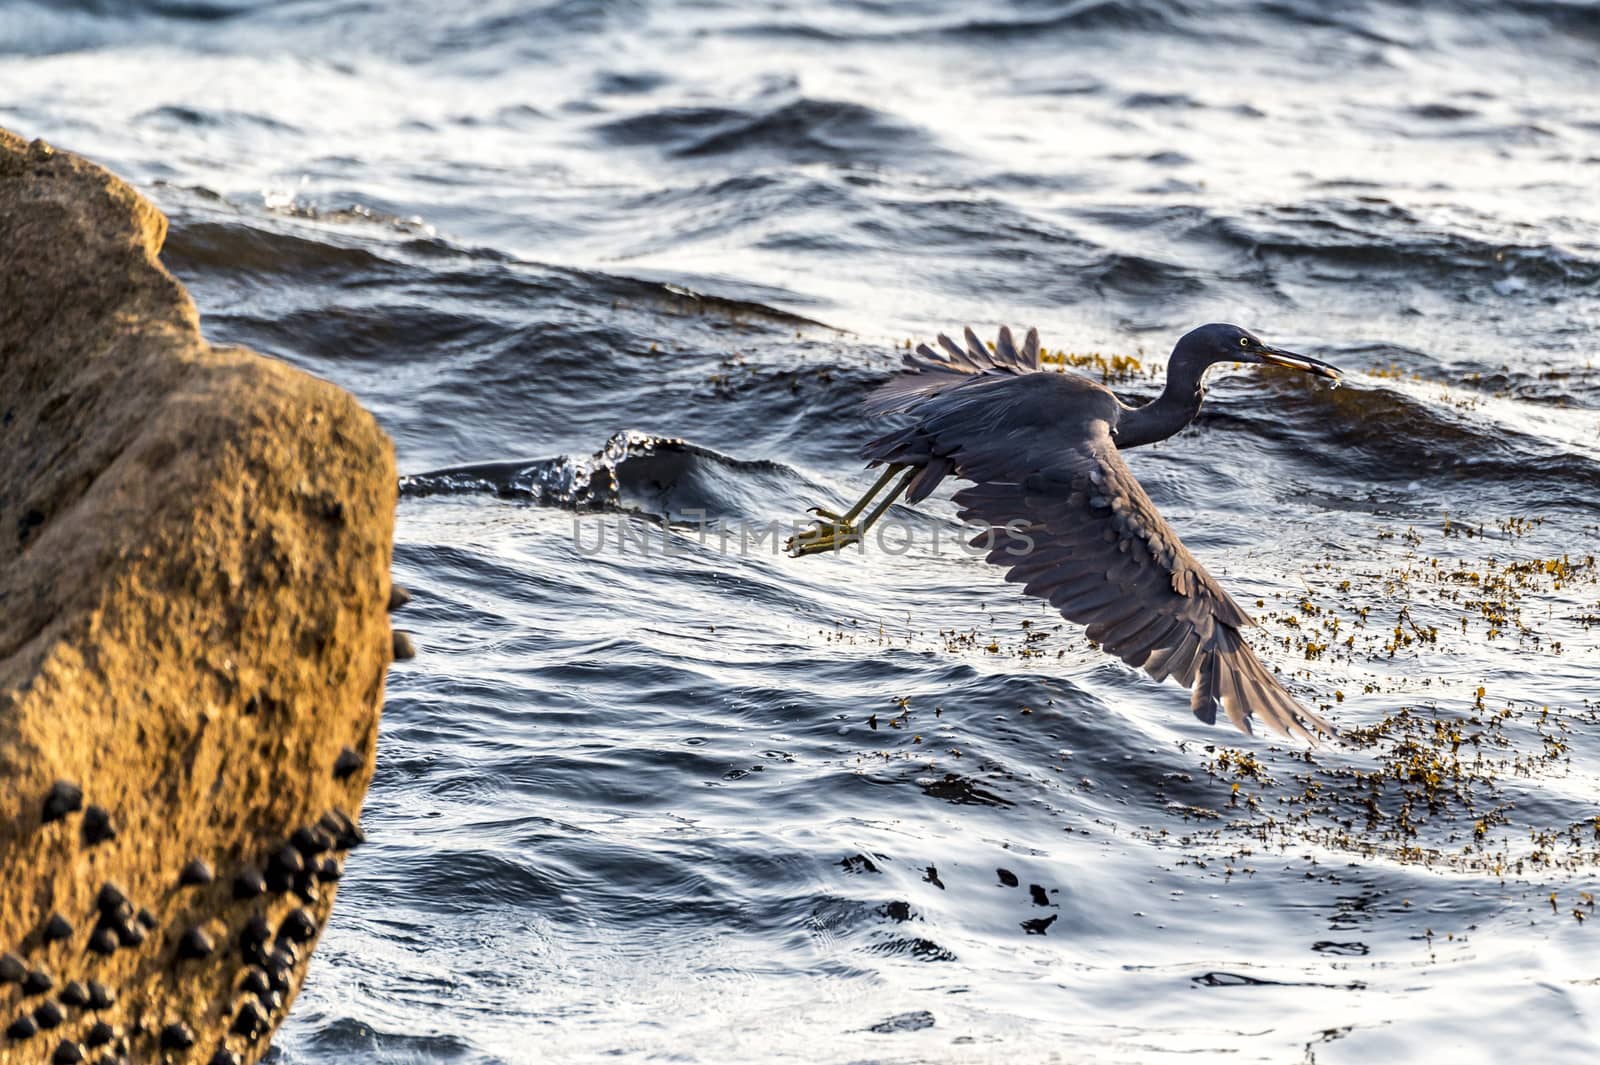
194	583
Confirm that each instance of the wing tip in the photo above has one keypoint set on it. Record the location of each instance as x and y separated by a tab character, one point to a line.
1234	680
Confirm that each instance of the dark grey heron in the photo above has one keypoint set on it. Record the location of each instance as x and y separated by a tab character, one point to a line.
1063	512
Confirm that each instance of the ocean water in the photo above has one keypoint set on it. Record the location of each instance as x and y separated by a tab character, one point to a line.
616	273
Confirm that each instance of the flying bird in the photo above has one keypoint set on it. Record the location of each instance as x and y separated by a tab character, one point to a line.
1064	514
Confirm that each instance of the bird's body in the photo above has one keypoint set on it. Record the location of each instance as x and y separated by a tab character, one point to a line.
1066	517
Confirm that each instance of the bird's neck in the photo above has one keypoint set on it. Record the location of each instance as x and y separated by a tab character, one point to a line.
1163	416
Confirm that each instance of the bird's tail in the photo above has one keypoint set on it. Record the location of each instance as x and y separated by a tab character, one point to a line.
929	372
1232	678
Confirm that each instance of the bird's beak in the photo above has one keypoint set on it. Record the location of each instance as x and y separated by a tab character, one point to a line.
1296	361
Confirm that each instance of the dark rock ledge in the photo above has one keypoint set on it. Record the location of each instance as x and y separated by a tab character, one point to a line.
194	583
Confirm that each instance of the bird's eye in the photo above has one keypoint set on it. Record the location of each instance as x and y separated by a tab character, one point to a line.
1244	342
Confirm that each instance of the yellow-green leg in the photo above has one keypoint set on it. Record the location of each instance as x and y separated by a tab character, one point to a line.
832	531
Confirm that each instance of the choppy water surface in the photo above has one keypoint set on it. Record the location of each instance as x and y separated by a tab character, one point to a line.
623	269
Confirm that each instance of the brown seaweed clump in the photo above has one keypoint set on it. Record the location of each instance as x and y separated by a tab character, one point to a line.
1440	774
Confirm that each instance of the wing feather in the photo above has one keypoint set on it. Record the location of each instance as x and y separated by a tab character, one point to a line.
929	372
1005	349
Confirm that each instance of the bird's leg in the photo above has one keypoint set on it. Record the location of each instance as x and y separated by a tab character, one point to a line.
832	531
885	503
861	504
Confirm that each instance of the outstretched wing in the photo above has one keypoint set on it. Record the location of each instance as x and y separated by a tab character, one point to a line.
1072	524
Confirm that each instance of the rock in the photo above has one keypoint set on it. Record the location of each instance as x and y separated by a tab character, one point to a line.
280	969
347	835
310	840
64	796
12	968
98	826
285	864
196	872
194	566
103	940
305	886
112	903
253	940
248	885
348	763
57	928
177	1036
298	927
197	944
250	1021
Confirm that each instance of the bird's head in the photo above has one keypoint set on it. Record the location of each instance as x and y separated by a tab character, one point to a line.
1211	344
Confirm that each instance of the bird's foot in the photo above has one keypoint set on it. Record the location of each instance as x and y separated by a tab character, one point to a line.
829	532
